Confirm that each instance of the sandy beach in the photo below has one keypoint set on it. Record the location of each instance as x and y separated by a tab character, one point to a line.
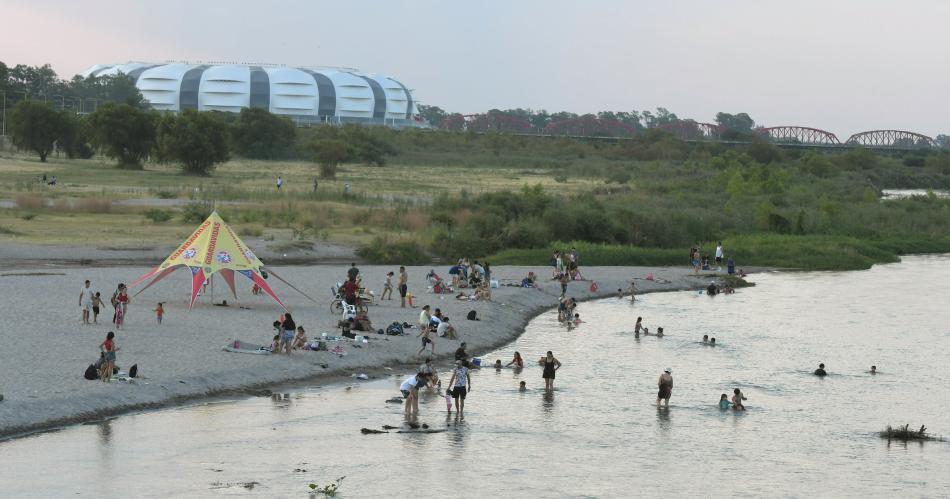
46	348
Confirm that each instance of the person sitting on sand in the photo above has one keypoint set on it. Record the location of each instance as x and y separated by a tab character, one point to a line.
724	402
483	292
821	370
275	344
737	399
300	339
516	361
464	297
446	329
705	339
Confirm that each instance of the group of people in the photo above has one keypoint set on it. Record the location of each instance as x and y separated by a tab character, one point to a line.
434	324
289	335
565	266
700	261
90	302
467	273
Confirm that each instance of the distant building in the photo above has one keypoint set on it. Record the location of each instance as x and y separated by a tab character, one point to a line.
307	95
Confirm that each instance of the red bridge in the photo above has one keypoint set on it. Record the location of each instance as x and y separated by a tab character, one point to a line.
798	135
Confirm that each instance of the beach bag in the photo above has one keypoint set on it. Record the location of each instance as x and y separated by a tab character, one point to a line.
394	329
91	373
472	316
134	370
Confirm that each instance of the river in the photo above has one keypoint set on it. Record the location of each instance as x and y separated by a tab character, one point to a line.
598	434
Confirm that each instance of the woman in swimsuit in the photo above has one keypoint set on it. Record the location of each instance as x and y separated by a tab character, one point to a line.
665	384
550	366
638	327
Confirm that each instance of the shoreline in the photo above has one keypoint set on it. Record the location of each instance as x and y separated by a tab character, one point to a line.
43	404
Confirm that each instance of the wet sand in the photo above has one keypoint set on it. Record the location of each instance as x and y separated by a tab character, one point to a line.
46	348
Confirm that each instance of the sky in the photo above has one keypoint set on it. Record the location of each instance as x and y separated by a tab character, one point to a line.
840	65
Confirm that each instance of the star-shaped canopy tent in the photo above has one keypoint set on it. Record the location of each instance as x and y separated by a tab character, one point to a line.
214	248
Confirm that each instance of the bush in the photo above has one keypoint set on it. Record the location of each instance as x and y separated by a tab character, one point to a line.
261	135
29	202
157	215
385	250
195	213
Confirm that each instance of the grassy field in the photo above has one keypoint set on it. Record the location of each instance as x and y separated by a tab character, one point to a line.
508	199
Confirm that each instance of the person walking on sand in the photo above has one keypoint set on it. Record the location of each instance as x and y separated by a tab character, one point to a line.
461	383
551	365
425	334
403	286
665	383
85	301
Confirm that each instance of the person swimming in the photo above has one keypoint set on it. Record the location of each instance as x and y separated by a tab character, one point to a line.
705	339
659	331
498	364
724	402
712	342
873	370
821	370
522	387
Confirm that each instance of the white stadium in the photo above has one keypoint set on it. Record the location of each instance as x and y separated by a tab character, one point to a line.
307	95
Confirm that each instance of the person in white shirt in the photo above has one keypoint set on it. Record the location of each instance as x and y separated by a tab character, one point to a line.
719	255
461	384
410	391
85	301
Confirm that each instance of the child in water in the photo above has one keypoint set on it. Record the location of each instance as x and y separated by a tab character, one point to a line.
448	401
522	387
577	319
724	402
159	312
659	331
498	364
737	399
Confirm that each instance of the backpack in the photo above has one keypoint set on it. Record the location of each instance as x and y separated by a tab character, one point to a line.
472	316
91	373
134	370
394	329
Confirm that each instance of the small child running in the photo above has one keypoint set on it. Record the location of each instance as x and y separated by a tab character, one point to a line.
159	312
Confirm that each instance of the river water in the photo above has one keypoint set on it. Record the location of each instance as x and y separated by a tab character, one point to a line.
598	434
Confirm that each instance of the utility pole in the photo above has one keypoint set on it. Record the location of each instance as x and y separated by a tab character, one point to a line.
3	133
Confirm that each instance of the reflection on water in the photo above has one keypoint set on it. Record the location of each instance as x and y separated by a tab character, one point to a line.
599	432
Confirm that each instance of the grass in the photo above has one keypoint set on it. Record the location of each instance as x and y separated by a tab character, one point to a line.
906	434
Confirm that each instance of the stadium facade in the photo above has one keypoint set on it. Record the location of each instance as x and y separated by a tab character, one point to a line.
307	95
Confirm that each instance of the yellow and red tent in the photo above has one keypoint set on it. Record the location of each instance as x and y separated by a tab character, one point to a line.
214	248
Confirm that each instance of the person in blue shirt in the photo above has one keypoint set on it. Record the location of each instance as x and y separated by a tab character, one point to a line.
724	402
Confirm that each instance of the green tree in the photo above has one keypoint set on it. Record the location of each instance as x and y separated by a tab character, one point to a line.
329	153
123	132
197	140
366	145
36	126
261	135
433	114
741	123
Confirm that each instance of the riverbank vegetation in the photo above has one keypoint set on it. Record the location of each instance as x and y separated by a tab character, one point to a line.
906	433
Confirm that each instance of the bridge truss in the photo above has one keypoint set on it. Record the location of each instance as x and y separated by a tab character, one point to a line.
799	135
891	138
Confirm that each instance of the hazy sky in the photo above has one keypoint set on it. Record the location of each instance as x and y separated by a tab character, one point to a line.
841	65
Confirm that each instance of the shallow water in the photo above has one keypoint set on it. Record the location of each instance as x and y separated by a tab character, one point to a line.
598	434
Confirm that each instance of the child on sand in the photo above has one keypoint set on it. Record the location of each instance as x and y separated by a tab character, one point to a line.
448	401
159	312
96	303
119	316
388	287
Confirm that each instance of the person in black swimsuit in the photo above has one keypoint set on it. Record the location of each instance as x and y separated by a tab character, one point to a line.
550	366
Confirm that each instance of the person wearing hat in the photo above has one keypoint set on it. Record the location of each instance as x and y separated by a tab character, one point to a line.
666	387
461	384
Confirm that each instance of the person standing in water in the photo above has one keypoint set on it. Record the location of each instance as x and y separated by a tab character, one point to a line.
737	399
638	326
461	383
551	365
821	370
665	383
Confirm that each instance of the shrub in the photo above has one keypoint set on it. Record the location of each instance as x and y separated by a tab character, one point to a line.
385	250
195	212
125	133
29	201
197	140
158	215
259	134
251	231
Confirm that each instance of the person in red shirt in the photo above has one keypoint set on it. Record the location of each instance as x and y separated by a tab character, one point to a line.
350	289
